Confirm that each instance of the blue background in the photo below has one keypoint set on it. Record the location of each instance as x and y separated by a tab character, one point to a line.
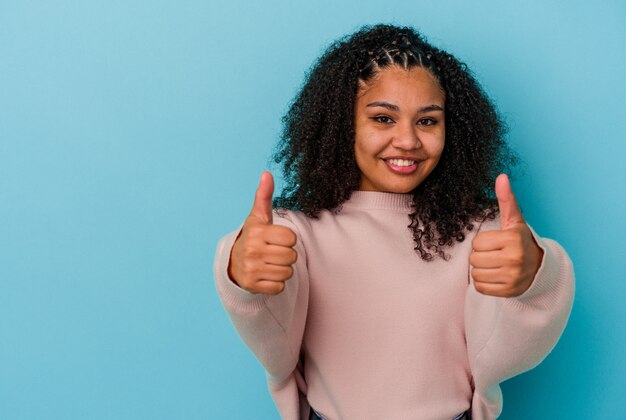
132	136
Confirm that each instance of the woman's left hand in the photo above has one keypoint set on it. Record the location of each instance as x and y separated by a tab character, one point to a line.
504	262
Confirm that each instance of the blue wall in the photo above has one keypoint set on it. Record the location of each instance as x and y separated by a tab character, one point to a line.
132	134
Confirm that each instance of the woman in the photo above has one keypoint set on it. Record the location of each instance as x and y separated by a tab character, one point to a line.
390	282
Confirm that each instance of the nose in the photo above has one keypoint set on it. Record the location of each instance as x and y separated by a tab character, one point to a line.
406	137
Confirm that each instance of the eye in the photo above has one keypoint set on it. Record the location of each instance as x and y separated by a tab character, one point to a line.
427	121
384	119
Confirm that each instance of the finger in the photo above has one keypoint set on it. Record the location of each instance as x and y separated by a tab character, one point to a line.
488	275
488	259
269	287
492	289
489	240
280	255
275	272
280	235
262	207
510	212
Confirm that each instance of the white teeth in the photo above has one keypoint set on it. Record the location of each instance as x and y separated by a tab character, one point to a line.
401	162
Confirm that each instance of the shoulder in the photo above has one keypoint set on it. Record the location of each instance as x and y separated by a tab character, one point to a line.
290	218
297	221
308	229
486	224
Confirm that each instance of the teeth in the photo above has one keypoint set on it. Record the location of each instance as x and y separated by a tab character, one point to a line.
401	162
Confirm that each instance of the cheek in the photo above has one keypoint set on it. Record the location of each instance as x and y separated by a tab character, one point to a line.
366	147
440	147
362	158
436	145
358	154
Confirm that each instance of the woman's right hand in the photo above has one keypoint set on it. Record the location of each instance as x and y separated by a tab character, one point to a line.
261	258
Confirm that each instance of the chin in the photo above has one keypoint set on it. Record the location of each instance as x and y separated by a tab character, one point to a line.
401	189
404	190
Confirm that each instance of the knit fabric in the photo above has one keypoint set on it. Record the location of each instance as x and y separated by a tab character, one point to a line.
365	329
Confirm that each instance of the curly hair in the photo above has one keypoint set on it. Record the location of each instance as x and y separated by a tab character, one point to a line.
316	148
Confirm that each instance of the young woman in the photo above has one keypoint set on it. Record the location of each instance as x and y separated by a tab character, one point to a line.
394	280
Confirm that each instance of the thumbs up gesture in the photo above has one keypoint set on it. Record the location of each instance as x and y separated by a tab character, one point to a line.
262	255
504	262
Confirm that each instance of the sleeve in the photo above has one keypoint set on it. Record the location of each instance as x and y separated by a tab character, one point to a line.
272	326
508	336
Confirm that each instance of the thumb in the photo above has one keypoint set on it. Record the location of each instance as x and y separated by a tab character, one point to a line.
510	212
262	207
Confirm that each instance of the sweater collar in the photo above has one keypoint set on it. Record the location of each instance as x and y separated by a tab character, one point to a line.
379	200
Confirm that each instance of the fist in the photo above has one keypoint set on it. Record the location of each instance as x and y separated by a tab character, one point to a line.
262	255
504	262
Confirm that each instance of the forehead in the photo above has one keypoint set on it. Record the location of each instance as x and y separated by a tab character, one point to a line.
415	83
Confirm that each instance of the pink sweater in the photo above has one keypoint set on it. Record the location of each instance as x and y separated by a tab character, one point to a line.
365	329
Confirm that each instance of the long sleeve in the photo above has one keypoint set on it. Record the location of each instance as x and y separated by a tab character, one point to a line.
271	326
508	336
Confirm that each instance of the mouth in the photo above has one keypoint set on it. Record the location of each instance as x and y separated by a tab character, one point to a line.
402	166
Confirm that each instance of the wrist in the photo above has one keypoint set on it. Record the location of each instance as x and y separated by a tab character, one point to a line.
230	269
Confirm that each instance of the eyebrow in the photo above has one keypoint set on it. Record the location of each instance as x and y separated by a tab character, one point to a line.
395	108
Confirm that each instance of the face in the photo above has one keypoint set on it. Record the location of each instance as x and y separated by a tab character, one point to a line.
399	129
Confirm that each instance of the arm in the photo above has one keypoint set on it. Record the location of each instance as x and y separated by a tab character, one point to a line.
510	335
271	325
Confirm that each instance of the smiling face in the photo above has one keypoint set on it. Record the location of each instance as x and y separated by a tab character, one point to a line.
399	129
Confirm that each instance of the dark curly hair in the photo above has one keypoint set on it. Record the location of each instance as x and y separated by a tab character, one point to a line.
316	149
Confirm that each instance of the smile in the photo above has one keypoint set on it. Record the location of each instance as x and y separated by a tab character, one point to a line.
401	166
